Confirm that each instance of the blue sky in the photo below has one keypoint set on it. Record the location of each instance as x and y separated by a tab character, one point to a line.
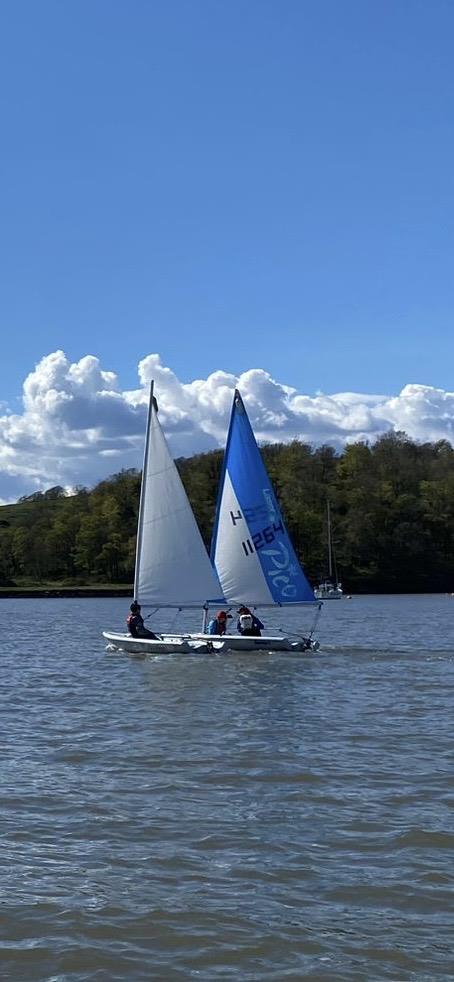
232	185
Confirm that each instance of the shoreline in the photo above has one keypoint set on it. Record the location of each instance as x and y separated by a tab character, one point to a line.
86	592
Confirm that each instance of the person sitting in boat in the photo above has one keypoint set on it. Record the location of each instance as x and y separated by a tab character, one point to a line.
218	625
248	623
135	623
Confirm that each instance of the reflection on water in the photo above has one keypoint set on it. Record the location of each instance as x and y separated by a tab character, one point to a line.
224	817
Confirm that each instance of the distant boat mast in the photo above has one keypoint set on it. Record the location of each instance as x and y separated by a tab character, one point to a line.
330	549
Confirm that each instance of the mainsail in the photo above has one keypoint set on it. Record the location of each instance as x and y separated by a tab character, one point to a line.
251	549
172	564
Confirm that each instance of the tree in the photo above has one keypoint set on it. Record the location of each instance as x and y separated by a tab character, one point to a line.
392	516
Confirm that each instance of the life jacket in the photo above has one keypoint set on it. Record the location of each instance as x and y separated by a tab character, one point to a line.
131	621
246	622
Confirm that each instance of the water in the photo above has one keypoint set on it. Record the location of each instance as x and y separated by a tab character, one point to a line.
227	817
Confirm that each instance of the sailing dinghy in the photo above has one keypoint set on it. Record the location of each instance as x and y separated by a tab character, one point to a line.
172	567
252	553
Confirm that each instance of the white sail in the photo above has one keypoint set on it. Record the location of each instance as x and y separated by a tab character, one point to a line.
172	564
251	549
238	568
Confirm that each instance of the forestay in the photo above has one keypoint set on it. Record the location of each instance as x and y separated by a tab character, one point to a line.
172	565
251	549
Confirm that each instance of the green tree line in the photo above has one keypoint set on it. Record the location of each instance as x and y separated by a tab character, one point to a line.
392	512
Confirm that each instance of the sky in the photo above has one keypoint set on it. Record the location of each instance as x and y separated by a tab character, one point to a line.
222	193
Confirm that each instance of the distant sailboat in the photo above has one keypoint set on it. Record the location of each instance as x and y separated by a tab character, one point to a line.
172	568
330	589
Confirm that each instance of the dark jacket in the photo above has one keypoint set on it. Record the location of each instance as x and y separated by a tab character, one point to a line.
136	626
254	631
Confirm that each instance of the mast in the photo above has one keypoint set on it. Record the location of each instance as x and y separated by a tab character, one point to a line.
142	495
330	551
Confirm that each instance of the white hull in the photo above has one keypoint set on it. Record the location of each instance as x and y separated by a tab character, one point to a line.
240	642
320	595
203	644
146	646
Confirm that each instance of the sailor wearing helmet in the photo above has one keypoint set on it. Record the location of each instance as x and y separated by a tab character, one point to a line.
218	625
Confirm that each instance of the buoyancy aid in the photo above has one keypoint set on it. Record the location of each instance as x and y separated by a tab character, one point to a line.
246	622
132	621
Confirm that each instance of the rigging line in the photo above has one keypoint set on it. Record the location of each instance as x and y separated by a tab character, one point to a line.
177	612
316	620
304	637
153	612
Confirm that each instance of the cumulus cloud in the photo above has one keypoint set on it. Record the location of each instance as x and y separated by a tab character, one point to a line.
78	425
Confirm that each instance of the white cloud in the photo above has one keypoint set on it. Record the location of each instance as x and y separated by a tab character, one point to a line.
78	425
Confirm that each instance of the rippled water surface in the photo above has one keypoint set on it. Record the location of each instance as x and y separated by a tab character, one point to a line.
227	817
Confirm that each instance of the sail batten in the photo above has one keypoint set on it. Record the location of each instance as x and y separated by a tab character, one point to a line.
172	565
252	552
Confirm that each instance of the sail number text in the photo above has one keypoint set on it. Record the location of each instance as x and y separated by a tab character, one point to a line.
281	569
260	539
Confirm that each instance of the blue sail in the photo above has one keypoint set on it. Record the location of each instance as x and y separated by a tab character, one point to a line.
251	549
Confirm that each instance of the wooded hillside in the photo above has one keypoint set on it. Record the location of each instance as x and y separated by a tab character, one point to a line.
392	510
